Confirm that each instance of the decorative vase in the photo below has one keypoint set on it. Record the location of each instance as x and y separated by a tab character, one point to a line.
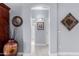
11	47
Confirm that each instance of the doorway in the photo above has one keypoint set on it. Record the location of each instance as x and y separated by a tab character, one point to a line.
40	31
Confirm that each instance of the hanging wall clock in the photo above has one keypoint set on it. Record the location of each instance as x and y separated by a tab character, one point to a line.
69	21
17	21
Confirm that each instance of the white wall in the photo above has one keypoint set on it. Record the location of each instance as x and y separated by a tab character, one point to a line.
53	25
16	10
24	32
68	40
26	28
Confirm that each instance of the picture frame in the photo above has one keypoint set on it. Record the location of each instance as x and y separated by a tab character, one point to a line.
69	21
40	25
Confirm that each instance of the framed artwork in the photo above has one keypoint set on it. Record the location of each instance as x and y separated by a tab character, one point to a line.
69	21
40	25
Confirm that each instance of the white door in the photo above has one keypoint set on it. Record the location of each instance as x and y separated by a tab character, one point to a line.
68	40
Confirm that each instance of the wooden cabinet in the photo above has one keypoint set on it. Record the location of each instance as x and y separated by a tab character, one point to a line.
4	25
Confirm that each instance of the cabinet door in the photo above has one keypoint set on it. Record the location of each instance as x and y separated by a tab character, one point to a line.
4	29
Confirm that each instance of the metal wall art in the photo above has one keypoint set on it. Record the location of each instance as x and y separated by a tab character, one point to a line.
17	21
69	21
40	25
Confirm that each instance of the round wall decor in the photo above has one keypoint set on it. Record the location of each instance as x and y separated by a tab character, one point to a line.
17	21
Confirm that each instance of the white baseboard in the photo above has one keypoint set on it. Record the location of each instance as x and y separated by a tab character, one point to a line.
41	44
19	54
68	53
65	54
26	54
53	54
23	54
